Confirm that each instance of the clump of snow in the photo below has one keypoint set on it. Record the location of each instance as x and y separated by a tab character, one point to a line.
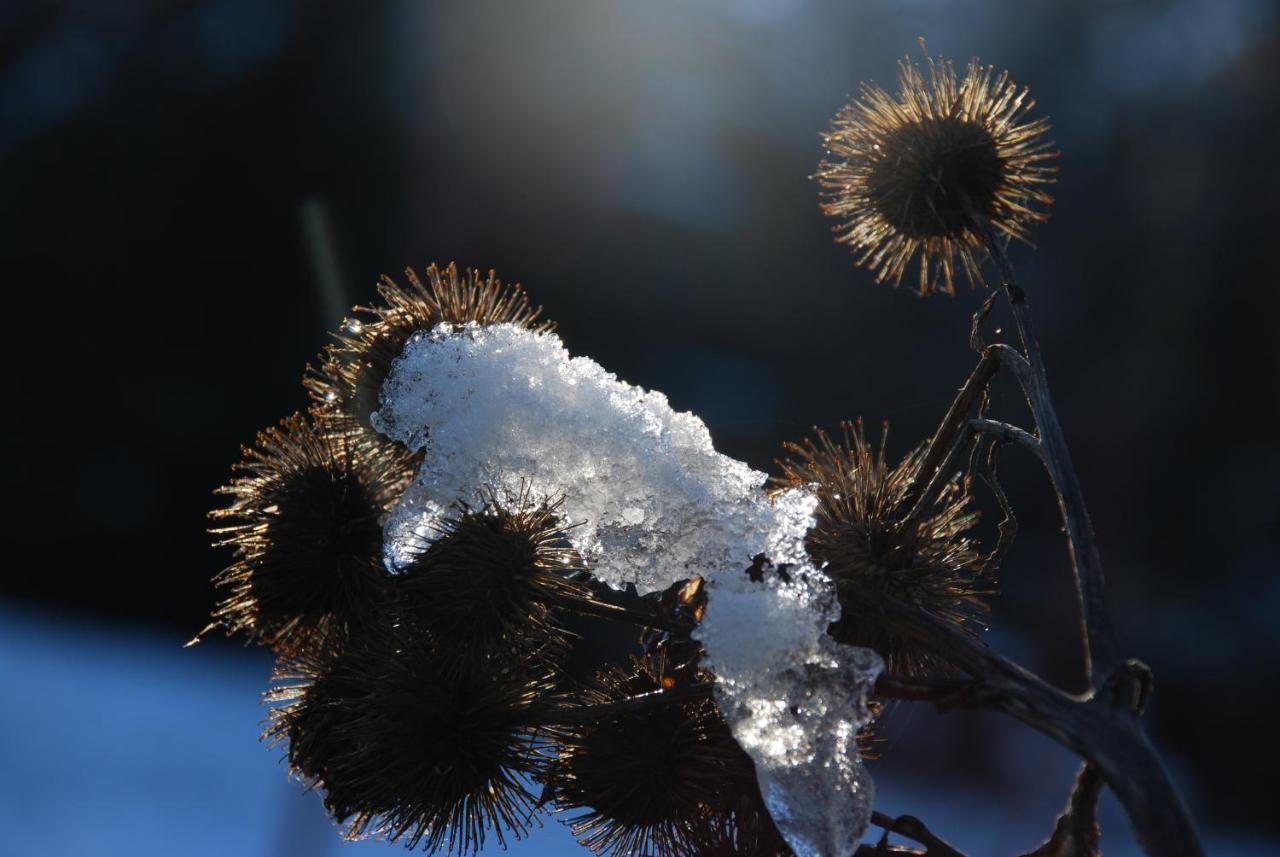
794	698
501	406
653	503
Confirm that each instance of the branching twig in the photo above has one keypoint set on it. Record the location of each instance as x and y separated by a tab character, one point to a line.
954	420
1010	434
936	690
1102	652
1094	726
616	612
573	715
1076	833
912	828
1007	529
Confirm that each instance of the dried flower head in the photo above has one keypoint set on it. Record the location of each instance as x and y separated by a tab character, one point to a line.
406	749
914	175
351	370
746	830
679	608
493	577
657	780
874	545
304	521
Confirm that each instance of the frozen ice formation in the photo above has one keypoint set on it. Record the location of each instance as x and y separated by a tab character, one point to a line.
794	698
501	407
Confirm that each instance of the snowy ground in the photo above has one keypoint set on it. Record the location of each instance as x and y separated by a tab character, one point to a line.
116	742
122	743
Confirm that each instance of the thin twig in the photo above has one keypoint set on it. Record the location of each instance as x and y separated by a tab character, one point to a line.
1013	360
1102	651
941	442
912	828
1007	529
920	689
962	447
1094	726
574	715
615	612
1076	834
1010	434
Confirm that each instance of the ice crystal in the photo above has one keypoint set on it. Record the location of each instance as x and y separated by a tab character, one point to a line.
651	502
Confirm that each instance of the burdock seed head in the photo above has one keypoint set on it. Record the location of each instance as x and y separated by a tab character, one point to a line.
492	578
656	780
874	545
917	175
351	370
407	750
746	830
304	522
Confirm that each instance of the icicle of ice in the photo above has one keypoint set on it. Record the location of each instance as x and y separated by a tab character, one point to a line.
798	720
794	698
502	406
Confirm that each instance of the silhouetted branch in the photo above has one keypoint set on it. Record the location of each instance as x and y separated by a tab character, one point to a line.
1102	651
1007	529
914	829
1010	434
936	690
572	715
604	610
1094	726
941	443
1077	832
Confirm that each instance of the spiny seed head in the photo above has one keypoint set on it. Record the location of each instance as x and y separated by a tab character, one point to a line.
405	749
872	542
680	605
304	521
493	577
746	830
917	174
655	780
351	370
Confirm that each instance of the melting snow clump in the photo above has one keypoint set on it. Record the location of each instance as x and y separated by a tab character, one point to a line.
498	406
794	697
653	503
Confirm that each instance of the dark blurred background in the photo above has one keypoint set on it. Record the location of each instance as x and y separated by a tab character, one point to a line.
193	191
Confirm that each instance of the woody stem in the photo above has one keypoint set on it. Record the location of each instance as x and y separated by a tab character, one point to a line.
617	613
936	453
1098	726
1102	724
576	715
1101	650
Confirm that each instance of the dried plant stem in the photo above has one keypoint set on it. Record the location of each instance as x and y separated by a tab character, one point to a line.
932	467
1011	434
575	715
912	828
1076	833
1094	726
1102	724
598	609
1102	651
